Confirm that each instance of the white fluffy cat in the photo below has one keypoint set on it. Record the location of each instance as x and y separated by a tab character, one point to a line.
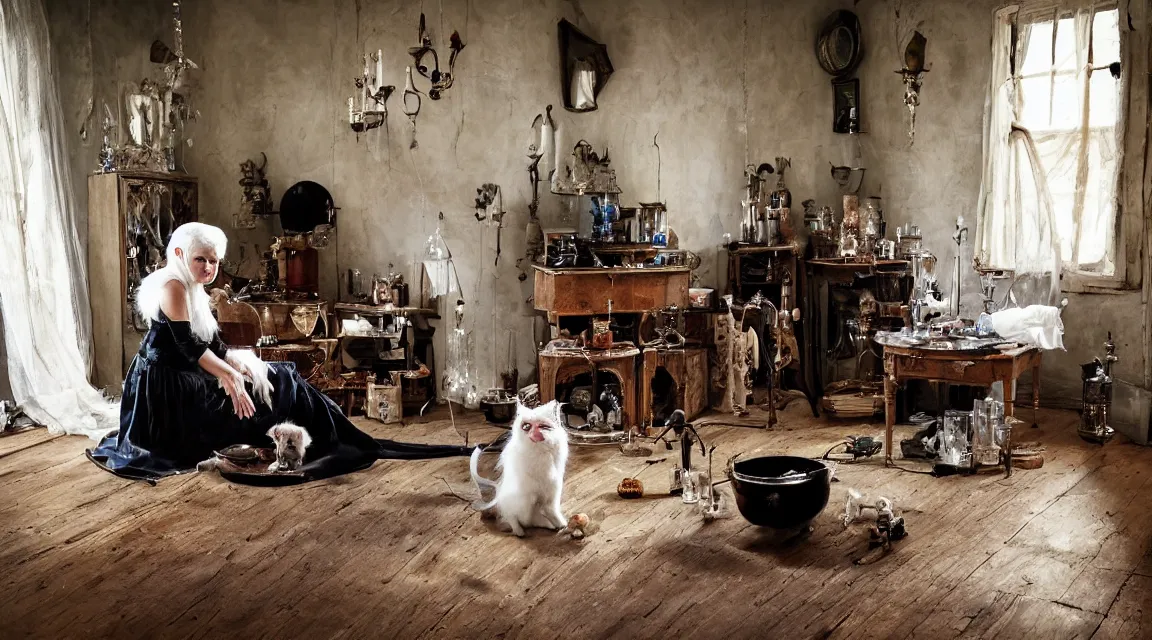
532	464
291	442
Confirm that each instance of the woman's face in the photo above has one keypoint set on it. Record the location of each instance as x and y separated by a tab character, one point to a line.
204	264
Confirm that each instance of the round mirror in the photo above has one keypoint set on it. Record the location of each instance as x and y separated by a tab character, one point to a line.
838	45
305	206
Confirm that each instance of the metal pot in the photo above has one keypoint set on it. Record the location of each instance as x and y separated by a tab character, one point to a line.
781	492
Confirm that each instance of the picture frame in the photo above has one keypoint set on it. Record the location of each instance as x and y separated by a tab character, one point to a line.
846	106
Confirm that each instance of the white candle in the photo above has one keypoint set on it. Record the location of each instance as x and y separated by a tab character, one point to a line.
379	80
351	119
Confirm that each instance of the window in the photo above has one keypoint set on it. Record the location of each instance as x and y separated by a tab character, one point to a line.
1059	72
1054	142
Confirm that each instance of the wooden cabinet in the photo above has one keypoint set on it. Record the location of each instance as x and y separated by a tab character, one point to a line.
131	216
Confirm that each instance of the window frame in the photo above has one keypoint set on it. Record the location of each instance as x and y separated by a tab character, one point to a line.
1131	184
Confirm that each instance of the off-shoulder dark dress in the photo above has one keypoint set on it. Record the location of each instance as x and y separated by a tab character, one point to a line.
174	414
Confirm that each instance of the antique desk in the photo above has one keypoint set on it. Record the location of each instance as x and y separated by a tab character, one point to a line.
960	367
574	292
588	291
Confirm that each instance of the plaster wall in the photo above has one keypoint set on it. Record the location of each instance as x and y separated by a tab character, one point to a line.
719	84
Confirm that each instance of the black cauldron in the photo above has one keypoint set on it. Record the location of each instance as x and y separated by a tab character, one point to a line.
782	492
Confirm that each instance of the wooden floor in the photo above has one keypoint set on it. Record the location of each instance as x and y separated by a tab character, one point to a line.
1059	552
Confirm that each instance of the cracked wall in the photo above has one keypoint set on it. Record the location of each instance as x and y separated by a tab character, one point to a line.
723	83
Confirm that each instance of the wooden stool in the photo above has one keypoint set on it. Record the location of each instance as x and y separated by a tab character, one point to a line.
562	366
689	370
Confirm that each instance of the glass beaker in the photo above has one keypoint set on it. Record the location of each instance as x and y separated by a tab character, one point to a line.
704	490
953	448
691	492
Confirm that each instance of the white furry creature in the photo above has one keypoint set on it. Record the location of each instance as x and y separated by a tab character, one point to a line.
532	478
291	442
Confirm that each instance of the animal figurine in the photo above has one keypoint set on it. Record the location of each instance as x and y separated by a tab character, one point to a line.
887	528
532	478
291	442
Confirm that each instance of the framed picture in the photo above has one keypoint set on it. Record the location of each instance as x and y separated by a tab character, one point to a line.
846	106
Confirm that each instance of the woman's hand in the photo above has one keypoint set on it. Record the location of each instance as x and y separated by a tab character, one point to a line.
233	384
255	370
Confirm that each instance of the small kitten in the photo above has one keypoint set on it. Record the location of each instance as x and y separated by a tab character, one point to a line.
291	441
532	478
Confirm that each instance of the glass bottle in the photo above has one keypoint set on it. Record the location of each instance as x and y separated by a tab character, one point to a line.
781	200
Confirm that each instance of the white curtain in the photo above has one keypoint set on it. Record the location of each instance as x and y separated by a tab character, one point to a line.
1053	124
43	287
1015	227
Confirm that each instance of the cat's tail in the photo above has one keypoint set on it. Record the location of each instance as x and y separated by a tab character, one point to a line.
481	482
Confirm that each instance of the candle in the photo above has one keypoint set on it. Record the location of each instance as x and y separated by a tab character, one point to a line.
351	118
379	80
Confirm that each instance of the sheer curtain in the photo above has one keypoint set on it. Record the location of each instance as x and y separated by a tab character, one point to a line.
1015	227
43	287
1053	123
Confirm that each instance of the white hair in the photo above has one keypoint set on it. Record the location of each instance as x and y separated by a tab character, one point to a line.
188	237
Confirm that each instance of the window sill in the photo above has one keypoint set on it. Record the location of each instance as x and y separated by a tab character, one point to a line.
1086	283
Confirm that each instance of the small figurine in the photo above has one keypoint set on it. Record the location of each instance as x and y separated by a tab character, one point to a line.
107	158
256	196
887	528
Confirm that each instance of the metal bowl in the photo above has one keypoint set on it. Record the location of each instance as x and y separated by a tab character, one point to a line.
245	454
781	492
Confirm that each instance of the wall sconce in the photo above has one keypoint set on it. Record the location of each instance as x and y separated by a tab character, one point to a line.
913	74
373	97
441	80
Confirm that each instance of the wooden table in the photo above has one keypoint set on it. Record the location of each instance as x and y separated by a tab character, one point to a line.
960	367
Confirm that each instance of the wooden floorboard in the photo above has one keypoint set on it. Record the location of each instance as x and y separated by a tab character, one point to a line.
395	551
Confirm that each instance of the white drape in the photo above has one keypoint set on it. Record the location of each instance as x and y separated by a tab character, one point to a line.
1015	228
43	286
1051	145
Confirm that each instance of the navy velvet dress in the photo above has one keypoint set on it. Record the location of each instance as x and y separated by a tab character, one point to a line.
174	414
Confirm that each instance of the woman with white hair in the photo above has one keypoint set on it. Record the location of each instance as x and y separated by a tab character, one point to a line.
187	395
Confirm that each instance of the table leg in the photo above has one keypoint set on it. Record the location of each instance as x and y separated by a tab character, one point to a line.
1035	396
1009	397
889	405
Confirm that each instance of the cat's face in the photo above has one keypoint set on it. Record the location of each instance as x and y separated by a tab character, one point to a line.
539	425
291	441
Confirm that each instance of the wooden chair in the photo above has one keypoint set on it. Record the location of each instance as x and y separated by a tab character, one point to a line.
239	321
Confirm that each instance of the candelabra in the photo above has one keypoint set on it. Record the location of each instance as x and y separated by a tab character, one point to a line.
373	96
